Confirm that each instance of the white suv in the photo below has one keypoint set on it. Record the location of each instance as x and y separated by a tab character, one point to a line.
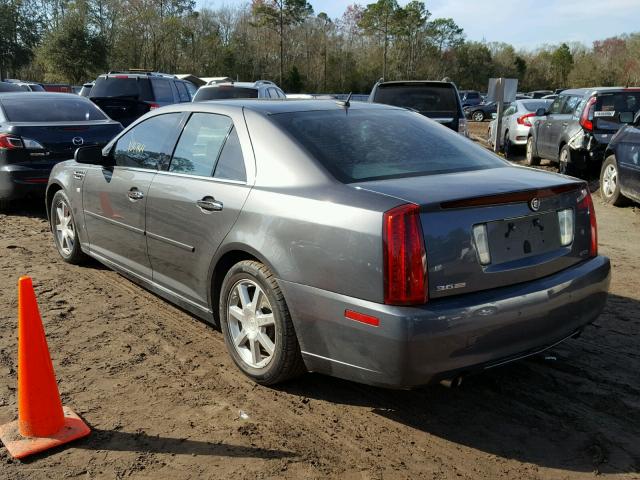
224	90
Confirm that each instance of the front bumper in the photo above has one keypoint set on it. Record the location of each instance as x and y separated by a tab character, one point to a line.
22	180
448	336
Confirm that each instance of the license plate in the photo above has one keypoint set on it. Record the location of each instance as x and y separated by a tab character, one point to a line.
516	238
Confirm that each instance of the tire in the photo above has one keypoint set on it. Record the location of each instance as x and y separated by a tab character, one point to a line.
477	116
531	160
249	338
609	185
506	145
65	234
565	164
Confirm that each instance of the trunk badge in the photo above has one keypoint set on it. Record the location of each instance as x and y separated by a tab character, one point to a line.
534	204
77	141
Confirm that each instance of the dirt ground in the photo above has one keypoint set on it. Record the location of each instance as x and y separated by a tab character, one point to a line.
164	400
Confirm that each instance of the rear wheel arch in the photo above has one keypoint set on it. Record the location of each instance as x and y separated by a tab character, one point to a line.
51	191
223	263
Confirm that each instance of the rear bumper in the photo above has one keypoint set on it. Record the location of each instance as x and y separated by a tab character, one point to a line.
418	345
19	180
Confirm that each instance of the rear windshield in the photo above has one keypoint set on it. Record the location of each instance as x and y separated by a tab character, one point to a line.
221	93
52	108
533	106
134	87
360	145
609	106
422	98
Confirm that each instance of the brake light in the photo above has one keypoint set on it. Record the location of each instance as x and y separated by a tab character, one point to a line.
405	259
585	202
586	119
122	76
153	106
10	142
524	119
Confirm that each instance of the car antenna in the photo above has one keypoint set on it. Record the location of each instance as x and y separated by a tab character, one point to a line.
345	103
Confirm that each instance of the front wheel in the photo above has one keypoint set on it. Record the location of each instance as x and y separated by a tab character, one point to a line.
256	325
477	116
65	233
566	166
609	183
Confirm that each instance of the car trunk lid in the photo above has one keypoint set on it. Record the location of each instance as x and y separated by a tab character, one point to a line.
60	141
521	236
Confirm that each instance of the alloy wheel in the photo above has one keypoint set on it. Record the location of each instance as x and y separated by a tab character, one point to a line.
65	229
609	180
478	116
252	327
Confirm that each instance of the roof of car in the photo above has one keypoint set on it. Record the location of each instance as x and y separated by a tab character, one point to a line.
30	95
256	85
404	82
269	106
590	90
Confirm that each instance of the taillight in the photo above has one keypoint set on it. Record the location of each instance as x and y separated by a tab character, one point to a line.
524	119
405	259
153	106
10	142
586	119
585	202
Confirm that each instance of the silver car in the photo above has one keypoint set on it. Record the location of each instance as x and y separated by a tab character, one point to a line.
517	119
356	239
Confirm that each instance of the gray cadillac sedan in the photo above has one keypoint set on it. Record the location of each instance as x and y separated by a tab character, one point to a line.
363	241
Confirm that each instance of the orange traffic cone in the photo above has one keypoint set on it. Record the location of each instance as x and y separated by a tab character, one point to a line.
42	421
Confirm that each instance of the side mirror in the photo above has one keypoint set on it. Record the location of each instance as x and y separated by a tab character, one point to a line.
91	155
541	112
625	117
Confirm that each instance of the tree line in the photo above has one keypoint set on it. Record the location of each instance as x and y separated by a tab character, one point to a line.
286	41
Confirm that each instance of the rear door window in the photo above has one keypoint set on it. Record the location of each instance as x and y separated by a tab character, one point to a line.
609	106
426	99
149	144
231	163
162	91
473	95
570	105
200	143
183	92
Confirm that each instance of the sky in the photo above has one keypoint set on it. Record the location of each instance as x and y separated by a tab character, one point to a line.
525	24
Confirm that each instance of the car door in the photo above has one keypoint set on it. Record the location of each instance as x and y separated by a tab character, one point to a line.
114	198
506	120
628	158
545	141
561	123
193	205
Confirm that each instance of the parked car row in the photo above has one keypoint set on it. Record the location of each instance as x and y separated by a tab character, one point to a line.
305	228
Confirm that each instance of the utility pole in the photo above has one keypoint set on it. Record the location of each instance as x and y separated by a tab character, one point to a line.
500	100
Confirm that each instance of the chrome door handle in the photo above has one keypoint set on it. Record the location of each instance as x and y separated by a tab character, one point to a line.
135	194
209	204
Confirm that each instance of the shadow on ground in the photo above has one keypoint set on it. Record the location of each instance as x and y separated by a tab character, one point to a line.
575	407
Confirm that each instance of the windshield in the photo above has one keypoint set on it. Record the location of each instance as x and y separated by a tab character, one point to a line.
420	97
360	145
50	108
122	86
222	93
609	106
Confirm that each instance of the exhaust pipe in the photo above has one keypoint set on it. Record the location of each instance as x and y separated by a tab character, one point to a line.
454	382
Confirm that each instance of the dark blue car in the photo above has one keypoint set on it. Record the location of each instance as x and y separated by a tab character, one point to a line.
620	174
